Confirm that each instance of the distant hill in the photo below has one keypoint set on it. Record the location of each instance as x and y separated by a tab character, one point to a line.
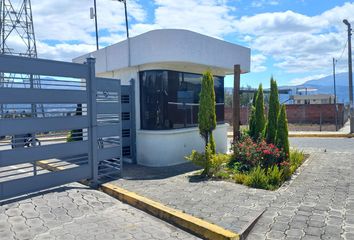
341	80
325	86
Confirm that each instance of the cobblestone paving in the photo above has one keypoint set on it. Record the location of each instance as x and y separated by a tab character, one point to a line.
229	205
319	203
77	212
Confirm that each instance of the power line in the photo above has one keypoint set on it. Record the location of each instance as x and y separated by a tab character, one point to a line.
345	46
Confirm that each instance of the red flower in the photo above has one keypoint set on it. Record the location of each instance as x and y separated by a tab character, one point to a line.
266	152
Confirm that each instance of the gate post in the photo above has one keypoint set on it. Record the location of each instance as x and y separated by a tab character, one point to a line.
133	120
92	116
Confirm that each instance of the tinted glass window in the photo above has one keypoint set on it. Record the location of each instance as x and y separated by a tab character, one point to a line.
170	99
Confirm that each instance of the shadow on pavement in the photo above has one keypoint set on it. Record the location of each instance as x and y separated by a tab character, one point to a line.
138	172
39	193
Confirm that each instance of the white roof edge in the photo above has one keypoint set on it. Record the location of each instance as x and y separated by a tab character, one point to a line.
171	45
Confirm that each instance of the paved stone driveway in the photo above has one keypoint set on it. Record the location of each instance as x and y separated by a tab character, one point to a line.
319	203
77	212
228	205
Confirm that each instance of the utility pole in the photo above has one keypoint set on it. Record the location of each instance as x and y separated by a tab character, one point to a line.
236	103
96	25
127	29
345	21
335	93
93	15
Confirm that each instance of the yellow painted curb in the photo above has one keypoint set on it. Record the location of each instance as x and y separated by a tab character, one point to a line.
187	222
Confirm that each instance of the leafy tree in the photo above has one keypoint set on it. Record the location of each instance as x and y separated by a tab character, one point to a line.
282	140
259	117
273	112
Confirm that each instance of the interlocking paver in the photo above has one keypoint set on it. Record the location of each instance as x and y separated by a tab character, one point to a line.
78	212
231	206
320	200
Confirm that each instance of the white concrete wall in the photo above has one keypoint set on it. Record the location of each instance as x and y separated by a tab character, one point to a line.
169	147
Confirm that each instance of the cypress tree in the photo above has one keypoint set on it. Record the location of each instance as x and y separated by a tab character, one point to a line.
251	121
207	117
206	114
259	121
282	140
273	112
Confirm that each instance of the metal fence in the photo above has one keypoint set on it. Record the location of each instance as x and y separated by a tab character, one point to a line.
72	122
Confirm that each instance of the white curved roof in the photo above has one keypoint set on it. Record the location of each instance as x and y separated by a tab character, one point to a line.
172	46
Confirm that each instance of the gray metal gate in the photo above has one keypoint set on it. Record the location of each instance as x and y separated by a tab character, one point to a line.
128	122
78	132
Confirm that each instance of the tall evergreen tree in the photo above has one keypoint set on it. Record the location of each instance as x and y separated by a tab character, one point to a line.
251	121
282	140
207	117
273	112
206	114
259	121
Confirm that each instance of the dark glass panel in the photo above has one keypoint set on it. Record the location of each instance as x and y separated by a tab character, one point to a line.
170	99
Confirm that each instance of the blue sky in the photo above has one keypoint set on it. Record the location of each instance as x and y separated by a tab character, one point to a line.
293	40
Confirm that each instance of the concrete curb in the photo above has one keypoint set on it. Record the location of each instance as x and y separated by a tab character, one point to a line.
177	218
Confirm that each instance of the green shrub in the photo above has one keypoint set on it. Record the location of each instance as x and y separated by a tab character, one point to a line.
214	162
274	176
296	158
257	178
240	178
197	158
285	166
217	162
222	174
248	154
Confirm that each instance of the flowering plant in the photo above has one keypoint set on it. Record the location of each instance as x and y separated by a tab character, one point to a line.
249	154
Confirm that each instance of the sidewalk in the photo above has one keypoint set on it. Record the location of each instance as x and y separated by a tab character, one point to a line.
341	133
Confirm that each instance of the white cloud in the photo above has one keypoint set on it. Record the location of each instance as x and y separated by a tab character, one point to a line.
257	62
64	51
66	24
261	3
298	43
211	17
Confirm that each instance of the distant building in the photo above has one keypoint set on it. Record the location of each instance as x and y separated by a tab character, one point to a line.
314	99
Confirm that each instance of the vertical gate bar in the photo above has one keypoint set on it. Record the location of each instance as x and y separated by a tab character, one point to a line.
92	113
120	125
132	119
33	135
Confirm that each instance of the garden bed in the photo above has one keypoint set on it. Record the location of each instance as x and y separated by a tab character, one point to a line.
255	164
